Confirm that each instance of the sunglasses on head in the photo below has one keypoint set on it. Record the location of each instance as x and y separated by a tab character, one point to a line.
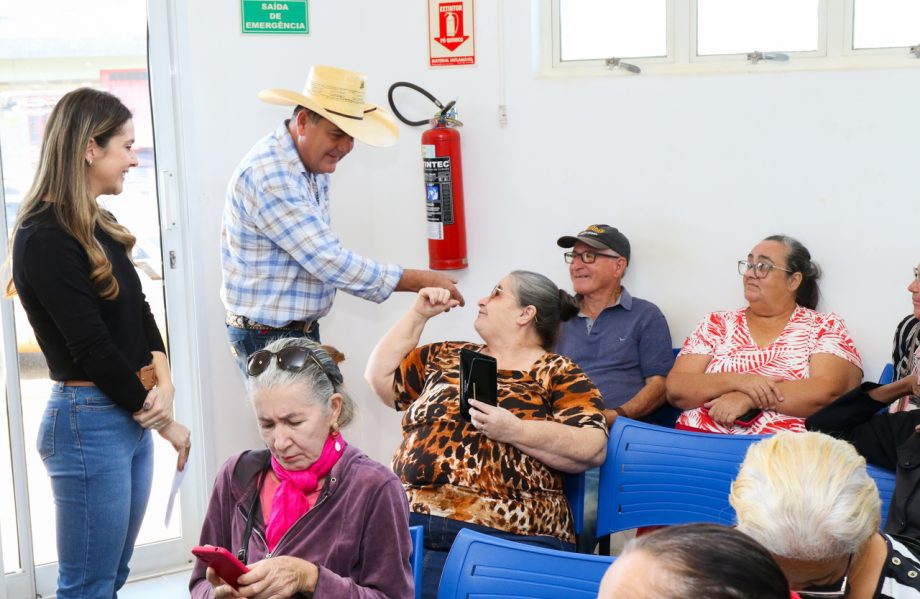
292	359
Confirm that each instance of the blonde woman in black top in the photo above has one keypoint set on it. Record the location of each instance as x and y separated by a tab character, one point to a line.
72	271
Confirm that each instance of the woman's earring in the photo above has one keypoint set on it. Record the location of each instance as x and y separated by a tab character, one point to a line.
334	432
89	162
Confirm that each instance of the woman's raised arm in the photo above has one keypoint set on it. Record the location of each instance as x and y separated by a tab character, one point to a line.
402	338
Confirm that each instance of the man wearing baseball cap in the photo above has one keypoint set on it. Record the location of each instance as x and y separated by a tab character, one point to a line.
282	263
621	342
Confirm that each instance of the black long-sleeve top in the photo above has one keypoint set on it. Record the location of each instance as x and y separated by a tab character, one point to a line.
82	336
886	440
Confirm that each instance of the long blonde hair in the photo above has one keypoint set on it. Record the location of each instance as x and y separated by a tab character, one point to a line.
62	184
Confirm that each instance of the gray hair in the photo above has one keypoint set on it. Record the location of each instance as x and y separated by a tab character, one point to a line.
798	259
320	383
553	305
806	496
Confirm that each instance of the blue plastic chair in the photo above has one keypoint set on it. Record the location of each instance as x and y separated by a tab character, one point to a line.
887	375
415	558
656	475
574	485
486	567
884	480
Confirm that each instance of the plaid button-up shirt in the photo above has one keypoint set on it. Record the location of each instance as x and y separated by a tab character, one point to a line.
281	262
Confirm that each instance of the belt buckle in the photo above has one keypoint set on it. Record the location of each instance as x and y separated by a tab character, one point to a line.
239	321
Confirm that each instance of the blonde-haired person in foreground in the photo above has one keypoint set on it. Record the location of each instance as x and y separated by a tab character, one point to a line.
808	499
694	560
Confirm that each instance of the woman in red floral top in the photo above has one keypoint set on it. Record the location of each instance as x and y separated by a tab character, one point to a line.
777	355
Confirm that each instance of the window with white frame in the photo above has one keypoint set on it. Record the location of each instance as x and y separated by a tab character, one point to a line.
622	28
741	26
679	36
886	23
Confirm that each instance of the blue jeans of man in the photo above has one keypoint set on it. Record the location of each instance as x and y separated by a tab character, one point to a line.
101	466
245	342
439	535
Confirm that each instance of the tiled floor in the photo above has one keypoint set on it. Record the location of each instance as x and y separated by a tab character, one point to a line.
172	586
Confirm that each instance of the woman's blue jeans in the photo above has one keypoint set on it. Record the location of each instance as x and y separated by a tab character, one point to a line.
439	535
101	466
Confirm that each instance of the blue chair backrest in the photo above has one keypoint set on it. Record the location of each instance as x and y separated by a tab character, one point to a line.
884	480
487	567
574	485
887	375
415	558
656	475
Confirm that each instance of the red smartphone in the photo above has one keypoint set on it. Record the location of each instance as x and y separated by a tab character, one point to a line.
748	419
224	563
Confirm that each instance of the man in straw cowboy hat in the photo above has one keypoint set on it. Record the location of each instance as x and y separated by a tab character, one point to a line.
281	261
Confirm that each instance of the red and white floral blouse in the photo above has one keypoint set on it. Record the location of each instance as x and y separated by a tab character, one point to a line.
725	336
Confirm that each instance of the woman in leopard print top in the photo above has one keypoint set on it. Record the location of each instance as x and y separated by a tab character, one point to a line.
500	472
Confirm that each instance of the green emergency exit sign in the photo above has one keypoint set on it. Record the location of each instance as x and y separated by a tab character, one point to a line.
287	17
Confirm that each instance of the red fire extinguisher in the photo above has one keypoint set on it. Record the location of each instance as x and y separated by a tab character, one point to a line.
444	193
443	178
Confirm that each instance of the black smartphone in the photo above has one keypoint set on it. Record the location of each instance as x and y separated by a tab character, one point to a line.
749	418
478	380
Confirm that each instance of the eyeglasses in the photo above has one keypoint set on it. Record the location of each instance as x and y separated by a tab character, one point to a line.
497	290
825	591
587	257
761	269
292	359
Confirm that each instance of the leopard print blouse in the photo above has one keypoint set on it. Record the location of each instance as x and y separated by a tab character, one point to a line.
450	469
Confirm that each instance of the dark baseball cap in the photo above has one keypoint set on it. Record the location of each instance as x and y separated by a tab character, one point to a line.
600	237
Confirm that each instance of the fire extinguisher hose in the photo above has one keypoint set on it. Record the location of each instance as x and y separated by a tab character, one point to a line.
441	115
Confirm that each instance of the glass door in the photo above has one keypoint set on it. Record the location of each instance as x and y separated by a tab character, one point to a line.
44	54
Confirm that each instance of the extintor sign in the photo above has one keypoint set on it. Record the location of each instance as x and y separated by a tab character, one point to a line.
451	38
440	201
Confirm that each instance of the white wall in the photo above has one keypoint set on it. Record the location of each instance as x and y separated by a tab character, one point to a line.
694	170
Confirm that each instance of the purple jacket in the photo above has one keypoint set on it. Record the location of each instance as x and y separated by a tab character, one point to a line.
357	533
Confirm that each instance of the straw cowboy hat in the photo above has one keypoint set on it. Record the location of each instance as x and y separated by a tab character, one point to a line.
338	95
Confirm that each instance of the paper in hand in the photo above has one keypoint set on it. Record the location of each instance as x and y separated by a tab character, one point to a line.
174	490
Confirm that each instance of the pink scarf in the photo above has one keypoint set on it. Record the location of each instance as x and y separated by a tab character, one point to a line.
290	501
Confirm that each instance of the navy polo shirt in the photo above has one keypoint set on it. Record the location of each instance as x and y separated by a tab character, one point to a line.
627	343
